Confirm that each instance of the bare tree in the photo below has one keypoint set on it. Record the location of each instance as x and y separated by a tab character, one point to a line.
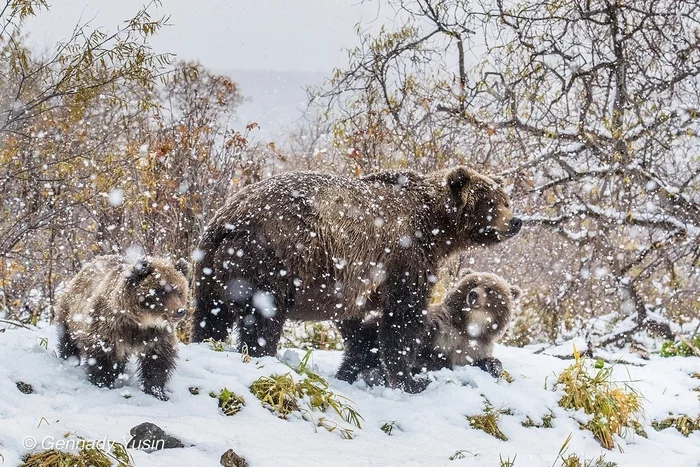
589	108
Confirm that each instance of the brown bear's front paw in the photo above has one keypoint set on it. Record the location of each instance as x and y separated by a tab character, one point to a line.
413	386
372	377
490	365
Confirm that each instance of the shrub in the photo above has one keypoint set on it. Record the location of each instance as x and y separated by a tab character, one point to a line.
322	335
683	348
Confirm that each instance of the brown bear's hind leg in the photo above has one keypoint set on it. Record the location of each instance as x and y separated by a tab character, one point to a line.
260	322
67	347
212	318
361	352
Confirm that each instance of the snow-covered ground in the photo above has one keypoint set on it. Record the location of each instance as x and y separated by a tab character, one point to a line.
432	426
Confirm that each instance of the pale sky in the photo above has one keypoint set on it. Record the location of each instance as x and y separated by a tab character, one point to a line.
282	35
272	48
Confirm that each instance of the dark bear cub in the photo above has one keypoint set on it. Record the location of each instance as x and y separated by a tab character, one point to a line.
460	330
113	309
313	246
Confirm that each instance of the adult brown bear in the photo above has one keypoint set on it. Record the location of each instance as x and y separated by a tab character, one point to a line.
313	246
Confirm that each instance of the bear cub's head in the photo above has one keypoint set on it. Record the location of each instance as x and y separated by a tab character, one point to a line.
481	304
158	291
482	207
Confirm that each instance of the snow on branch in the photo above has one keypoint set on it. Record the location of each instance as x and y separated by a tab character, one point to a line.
661	221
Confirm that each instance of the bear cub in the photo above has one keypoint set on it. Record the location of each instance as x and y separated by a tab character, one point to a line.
113	309
460	330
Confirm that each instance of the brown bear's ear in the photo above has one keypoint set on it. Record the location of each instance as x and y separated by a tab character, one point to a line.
498	179
457	179
140	270
183	266
516	292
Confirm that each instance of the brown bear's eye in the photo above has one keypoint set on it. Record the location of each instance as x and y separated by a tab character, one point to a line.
472	298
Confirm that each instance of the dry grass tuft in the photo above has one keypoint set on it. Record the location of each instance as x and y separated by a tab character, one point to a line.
546	422
614	406
488	422
684	424
230	403
282	395
88	456
216	346
323	335
574	460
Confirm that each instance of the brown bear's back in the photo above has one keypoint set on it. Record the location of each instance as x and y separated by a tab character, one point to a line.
347	227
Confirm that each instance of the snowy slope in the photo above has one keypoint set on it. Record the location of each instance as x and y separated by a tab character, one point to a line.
432	424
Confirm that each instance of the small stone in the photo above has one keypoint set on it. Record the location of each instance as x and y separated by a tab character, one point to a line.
231	459
150	437
25	388
194	390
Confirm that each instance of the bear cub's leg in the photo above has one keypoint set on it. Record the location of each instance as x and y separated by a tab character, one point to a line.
156	365
103	368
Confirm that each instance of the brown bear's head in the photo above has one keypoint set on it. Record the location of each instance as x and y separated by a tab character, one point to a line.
158	290
481	304
482	207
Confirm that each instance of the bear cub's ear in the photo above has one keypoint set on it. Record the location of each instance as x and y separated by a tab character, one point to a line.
465	272
141	269
516	292
498	179
183	266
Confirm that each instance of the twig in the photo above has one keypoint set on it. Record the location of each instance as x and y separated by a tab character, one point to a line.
15	324
606	360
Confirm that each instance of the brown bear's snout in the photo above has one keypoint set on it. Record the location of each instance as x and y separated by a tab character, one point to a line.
514	226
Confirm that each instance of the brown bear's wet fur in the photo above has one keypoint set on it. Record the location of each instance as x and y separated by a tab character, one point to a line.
460	330
312	246
113	309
